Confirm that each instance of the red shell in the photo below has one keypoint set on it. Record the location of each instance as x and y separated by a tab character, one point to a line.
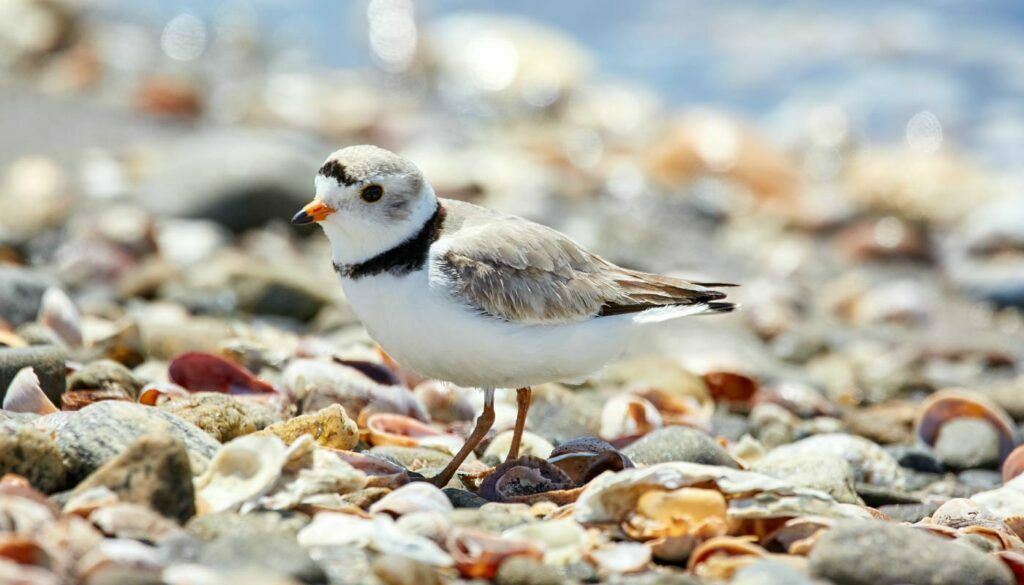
204	372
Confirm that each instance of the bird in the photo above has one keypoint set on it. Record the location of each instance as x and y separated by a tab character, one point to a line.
460	293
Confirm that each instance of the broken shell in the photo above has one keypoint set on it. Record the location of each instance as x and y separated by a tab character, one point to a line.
414	497
532	445
125	520
315	384
1013	465
945	405
25	394
380	534
683	512
563	540
732	389
626	557
526	476
718	554
870	463
403	431
801	399
797	536
379	472
58	312
585	458
432	525
204	372
446	403
310	476
242	470
23	550
79	399
628	415
478	555
679	410
156	393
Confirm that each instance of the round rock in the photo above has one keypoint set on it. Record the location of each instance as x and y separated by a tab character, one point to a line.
967	443
32	454
99	432
46	360
22	292
224	417
827	473
678	444
871	552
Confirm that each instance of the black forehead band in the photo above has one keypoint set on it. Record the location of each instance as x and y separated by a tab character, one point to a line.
336	171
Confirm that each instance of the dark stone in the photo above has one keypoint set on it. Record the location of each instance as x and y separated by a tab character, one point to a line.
882	553
909	512
46	360
274	553
154	471
106	375
916	458
32	454
21	290
547	416
876	495
678	444
463	499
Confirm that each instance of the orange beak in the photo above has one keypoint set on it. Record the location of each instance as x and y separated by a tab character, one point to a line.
314	212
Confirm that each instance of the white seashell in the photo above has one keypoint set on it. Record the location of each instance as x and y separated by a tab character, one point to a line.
379	534
324	474
24	394
91	499
870	463
23	515
119	551
628	415
532	444
242	470
432	525
413	497
563	540
134	521
627	557
59	313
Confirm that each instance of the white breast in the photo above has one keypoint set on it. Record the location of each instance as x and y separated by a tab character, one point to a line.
420	325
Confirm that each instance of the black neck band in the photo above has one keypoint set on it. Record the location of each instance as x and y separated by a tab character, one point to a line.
406	257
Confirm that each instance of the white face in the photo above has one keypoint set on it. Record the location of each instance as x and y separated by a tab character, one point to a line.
373	215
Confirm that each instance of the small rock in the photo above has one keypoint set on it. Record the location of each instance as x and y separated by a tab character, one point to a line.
828	473
154	471
495	518
768	572
99	432
330	427
397	570
46	360
213	526
463	499
980	479
412	458
916	458
365	497
526	571
274	553
728	425
32	454
223	416
966	443
106	375
882	553
265	291
908	512
678	444
22	292
547	416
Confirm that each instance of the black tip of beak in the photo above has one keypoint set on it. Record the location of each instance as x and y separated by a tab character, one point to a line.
302	218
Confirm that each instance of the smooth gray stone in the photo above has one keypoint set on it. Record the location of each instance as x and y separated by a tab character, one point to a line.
21	290
678	444
46	360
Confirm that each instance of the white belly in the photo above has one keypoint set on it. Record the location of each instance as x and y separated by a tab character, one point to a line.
424	329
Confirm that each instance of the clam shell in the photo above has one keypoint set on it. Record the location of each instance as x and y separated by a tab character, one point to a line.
125	520
628	415
478	555
870	463
683	512
204	372
626	557
25	394
403	431
156	393
242	470
315	384
308	475
948	404
707	559
380	534
532	445
58	312
413	497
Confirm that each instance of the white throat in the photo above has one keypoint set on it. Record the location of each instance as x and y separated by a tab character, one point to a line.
357	239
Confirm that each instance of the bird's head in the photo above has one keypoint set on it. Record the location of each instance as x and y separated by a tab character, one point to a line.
368	200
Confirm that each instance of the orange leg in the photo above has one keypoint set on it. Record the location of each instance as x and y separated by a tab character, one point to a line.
523	402
483	424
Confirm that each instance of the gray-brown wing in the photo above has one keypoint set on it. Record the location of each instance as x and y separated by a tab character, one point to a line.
523	272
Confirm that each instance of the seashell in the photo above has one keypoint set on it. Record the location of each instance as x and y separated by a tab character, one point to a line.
679	410
330	427
432	525
125	520
478	555
78	399
379	373
883	238
403	431
23	550
9	338
156	393
715	558
532	445
801	399
413	497
611	498
1014	464
25	394
380	534
797	536
870	463
445	402
315	384
204	372
242	470
949	404
628	416
88	501
57	312
119	552
563	540
683	512
310	475
516	480
585	458
626	557
733	389
379	472
961	512
1015	561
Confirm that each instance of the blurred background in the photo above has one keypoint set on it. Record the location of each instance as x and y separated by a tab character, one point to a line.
854	165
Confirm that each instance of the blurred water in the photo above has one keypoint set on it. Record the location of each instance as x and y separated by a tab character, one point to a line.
882	60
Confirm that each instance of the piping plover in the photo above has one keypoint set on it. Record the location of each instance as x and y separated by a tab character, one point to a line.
460	293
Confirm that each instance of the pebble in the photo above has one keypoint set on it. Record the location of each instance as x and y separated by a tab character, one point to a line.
828	473
154	471
106	375
213	526
398	570
916	458
46	360
966	443
330	427
882	553
32	454
463	499
273	553
22	292
101	431
223	416
547	417
269	291
527	571
678	444
769	572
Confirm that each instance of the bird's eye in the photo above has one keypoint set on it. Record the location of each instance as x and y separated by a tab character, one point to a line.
371	193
